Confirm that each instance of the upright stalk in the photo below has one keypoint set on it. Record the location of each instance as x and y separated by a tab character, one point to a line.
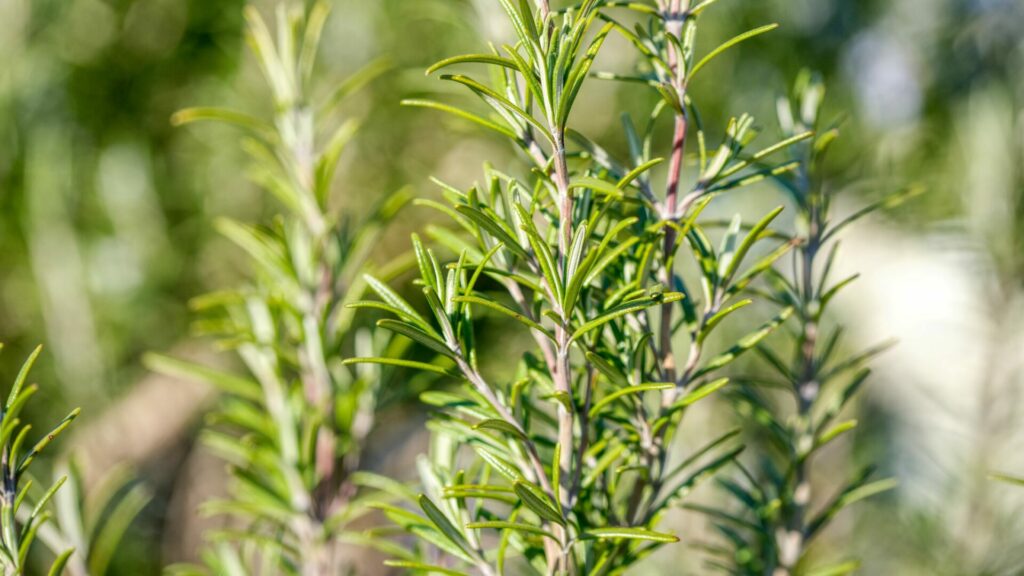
306	418
672	13
778	497
563	370
317	383
792	539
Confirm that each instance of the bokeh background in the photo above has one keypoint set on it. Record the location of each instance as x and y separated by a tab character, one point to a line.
106	210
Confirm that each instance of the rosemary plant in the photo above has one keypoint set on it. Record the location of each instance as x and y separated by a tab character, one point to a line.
94	521
293	430
568	468
780	519
23	514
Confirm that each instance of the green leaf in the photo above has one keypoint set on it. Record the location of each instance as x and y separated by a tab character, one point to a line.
501	494
501	525
535	500
443	524
744	344
613	374
579	74
717	319
891	201
401	363
627	533
381	483
755	177
261	247
764	153
493	228
250	123
749	240
226	382
425	568
501	308
499	464
637	172
999	477
836	569
696	10
500	426
523	27
37	510
472	59
14	408
57	568
857	361
545	258
835	431
427	264
624	309
702	392
698	476
726	45
110	534
47	439
630	390
462	114
499	103
19	380
595	184
328	161
854	492
356	82
407	312
311	40
408	330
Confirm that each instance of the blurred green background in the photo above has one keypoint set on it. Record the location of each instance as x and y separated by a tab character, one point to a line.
105	226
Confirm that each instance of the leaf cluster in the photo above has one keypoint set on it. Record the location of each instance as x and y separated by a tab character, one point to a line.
22	512
565	468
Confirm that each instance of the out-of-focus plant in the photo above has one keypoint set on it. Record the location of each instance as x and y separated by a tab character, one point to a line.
94	522
781	514
1007	478
293	430
23	513
566	467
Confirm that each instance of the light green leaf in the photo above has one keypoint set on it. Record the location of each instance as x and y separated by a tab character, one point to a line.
627	533
226	382
394	300
421	567
726	45
400	363
501	308
625	309
472	59
628	391
702	392
19	380
999	477
500	525
462	114
744	344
